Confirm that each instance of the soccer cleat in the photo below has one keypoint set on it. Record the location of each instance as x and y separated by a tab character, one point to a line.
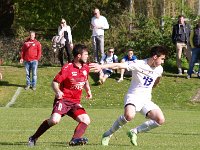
133	137
78	141
105	140
31	141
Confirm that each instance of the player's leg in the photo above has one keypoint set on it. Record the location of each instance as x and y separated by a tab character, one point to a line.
54	119
156	119
154	113
129	114
81	116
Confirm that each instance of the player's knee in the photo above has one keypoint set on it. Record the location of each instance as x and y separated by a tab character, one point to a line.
86	120
129	117
53	122
160	121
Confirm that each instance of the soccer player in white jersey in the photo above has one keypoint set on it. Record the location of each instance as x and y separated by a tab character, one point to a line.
145	75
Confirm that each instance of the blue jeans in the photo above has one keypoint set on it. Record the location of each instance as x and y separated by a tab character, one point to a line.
31	66
98	46
195	59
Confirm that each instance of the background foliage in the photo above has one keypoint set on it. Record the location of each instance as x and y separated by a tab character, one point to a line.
138	25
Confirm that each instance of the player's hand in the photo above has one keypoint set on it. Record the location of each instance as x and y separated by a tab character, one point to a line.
95	67
89	95
21	61
59	95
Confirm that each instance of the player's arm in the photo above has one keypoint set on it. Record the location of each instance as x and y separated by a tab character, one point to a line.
55	86
98	67
88	90
156	82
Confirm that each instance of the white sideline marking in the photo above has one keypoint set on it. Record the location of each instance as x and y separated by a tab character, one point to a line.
12	101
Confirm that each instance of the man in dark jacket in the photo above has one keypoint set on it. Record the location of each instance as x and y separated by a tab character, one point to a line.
181	38
195	45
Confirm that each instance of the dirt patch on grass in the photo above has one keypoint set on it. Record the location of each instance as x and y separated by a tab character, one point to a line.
196	98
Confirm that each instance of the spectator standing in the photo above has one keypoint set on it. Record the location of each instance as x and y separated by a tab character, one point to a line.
68	85
195	45
107	58
65	38
98	24
130	57
181	38
30	55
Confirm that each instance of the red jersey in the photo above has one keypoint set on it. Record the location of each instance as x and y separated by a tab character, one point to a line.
72	80
31	50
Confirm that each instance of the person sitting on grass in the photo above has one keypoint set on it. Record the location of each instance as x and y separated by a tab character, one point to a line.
130	57
108	58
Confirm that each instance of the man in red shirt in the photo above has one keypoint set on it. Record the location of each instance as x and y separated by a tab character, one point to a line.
30	55
68	85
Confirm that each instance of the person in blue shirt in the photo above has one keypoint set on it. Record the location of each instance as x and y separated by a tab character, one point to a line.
130	57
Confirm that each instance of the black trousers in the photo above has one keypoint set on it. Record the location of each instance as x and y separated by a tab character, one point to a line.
68	53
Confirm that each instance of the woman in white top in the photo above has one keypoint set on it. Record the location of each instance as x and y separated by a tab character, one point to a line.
64	32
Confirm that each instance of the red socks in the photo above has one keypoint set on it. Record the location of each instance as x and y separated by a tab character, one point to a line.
80	130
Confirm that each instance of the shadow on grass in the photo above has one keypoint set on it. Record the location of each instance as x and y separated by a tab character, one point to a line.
55	144
6	83
172	133
174	75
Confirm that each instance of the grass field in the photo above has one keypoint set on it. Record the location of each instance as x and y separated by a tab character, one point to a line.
174	94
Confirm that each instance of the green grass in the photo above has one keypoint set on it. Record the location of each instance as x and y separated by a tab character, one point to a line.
180	132
173	95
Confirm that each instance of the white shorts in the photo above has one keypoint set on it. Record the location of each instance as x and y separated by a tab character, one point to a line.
143	104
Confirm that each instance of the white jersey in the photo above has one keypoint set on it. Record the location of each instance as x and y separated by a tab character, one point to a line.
142	84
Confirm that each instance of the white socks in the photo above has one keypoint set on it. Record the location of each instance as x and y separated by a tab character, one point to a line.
116	126
146	126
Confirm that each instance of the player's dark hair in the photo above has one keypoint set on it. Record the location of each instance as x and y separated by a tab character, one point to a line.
79	49
158	50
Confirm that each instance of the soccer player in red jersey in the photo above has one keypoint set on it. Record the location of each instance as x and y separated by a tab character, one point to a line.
68	85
